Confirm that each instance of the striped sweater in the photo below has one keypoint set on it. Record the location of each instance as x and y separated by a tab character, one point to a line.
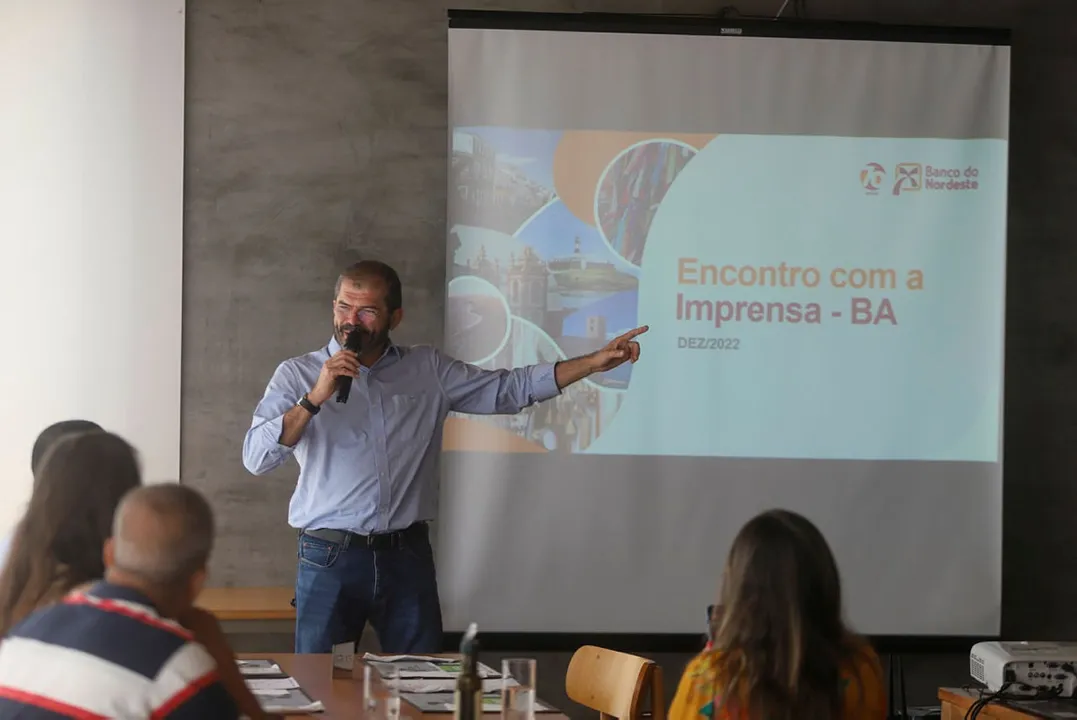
107	653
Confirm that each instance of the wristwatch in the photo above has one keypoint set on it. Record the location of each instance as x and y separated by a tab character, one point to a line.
307	405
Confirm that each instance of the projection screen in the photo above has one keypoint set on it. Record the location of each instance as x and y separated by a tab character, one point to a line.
812	222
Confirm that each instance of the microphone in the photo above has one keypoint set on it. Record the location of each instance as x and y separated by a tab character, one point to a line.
354	342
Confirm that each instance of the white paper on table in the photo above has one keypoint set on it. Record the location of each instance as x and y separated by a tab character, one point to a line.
271	693
407	658
438	685
485	671
256	670
267	684
417	666
314	707
410	669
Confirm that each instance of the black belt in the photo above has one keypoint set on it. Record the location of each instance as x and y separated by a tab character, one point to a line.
377	541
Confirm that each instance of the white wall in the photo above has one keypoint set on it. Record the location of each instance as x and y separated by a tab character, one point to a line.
91	212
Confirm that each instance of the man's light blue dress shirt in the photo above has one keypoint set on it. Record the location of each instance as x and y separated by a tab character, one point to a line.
372	464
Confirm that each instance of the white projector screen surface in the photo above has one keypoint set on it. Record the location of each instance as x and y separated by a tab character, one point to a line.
814	231
91	217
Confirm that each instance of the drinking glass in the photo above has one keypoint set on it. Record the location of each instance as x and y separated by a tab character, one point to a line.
518	688
381	692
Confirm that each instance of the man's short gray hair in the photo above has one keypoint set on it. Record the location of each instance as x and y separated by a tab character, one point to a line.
162	533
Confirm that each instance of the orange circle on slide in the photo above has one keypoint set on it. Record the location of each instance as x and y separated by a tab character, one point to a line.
465	434
583	155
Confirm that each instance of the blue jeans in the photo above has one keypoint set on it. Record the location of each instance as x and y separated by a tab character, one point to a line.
340	586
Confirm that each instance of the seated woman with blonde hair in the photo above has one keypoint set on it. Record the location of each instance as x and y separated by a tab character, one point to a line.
779	648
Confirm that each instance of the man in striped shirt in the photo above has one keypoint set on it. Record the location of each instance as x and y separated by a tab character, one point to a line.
113	650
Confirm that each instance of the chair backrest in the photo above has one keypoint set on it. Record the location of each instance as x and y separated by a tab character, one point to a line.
612	683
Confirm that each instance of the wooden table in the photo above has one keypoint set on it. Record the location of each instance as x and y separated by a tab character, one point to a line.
956	702
344	698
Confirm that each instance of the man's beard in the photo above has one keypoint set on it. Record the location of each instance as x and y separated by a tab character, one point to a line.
372	340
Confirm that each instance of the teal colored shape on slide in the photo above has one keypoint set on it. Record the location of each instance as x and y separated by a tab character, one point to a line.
928	388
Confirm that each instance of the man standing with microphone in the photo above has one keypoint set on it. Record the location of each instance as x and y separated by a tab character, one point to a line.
369	460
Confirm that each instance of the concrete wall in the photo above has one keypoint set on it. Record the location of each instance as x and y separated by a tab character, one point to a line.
316	134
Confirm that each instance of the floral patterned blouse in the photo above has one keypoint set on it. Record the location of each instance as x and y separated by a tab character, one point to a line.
865	694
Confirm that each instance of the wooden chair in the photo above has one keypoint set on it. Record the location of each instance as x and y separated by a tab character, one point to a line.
612	683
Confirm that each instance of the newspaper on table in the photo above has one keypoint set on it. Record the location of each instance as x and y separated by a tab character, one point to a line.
282	696
446	685
428	667
260	668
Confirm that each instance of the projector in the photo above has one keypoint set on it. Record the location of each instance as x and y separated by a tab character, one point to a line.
1026	668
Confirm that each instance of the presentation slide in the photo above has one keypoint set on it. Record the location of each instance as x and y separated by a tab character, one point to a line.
807	297
812	224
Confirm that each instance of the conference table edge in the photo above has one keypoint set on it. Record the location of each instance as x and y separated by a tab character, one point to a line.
322	675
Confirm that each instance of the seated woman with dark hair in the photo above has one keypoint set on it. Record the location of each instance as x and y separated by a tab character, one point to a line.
45	440
58	545
779	648
53	433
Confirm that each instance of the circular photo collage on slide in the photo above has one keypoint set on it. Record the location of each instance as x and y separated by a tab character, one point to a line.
478	320
631	190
